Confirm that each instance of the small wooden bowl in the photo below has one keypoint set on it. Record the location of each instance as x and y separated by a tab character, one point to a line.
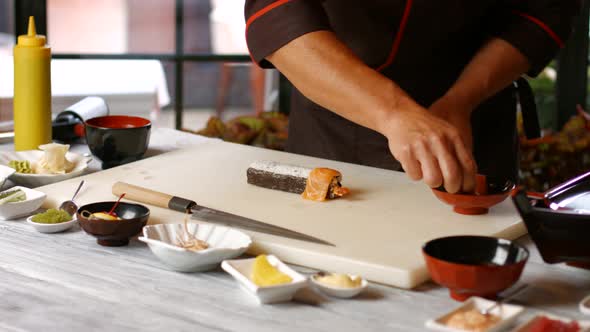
489	193
114	233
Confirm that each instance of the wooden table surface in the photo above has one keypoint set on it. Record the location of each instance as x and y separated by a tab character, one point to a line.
66	282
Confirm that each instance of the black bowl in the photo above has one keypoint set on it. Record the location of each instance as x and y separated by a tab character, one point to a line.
560	236
117	139
114	233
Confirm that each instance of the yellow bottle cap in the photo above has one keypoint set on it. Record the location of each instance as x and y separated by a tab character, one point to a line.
32	38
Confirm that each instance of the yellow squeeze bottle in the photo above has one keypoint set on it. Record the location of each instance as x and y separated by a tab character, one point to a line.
32	91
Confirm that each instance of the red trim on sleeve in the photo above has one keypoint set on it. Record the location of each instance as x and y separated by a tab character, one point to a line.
543	26
257	15
398	37
264	10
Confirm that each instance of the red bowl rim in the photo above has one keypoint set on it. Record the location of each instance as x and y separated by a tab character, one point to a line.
90	123
523	261
465	196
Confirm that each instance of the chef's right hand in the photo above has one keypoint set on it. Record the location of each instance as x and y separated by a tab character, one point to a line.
429	149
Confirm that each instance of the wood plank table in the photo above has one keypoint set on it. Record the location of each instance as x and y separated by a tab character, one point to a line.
66	282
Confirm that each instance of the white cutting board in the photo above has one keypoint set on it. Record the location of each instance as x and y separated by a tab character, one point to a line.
378	230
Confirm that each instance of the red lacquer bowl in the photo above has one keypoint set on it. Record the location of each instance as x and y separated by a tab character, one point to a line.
473	204
474	265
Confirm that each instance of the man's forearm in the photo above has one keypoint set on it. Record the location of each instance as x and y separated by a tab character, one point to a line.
327	72
494	67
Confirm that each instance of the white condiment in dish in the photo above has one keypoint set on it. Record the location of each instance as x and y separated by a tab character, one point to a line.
342	292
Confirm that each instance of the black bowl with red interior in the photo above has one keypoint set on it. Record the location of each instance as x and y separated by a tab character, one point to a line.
113	233
117	139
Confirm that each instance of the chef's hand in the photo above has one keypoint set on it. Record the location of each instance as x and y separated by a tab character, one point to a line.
430	148
458	115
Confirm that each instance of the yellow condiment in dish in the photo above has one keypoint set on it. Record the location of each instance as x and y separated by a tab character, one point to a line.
264	274
338	280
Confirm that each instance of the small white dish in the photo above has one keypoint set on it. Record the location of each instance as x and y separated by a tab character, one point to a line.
5	173
585	305
507	313
32	203
224	242
241	269
37	180
52	228
525	327
339	291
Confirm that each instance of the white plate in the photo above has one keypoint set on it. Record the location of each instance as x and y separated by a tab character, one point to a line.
5	173
507	312
339	291
37	180
52	228
224	242
32	203
241	269
584	325
585	305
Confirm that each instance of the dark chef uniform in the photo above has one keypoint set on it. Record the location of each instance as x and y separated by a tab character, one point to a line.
422	45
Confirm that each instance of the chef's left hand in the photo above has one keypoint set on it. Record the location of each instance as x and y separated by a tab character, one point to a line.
458	114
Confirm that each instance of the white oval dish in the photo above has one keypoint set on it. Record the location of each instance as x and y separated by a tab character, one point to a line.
340	292
5	173
240	269
52	228
224	243
507	312
32	203
37	180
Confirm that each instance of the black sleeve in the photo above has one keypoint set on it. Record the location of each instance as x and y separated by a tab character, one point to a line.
538	28
270	24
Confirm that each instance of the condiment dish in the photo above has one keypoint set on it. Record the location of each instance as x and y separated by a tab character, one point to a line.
32	203
341	292
241	269
474	265
52	228
36	180
506	312
5	173
526	326
224	243
114	233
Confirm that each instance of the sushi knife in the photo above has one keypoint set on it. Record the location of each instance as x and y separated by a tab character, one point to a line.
148	196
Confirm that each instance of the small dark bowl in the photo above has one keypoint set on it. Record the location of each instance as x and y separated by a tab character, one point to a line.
474	204
117	139
474	265
114	233
560	236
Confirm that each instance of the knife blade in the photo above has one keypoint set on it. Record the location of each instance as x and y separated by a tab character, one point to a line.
213	216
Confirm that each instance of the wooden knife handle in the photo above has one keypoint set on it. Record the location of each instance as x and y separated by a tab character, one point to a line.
152	197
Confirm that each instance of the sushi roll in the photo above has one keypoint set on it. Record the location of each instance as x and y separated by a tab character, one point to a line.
316	184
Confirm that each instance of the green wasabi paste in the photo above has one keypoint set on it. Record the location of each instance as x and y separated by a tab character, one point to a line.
12	196
52	216
21	166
